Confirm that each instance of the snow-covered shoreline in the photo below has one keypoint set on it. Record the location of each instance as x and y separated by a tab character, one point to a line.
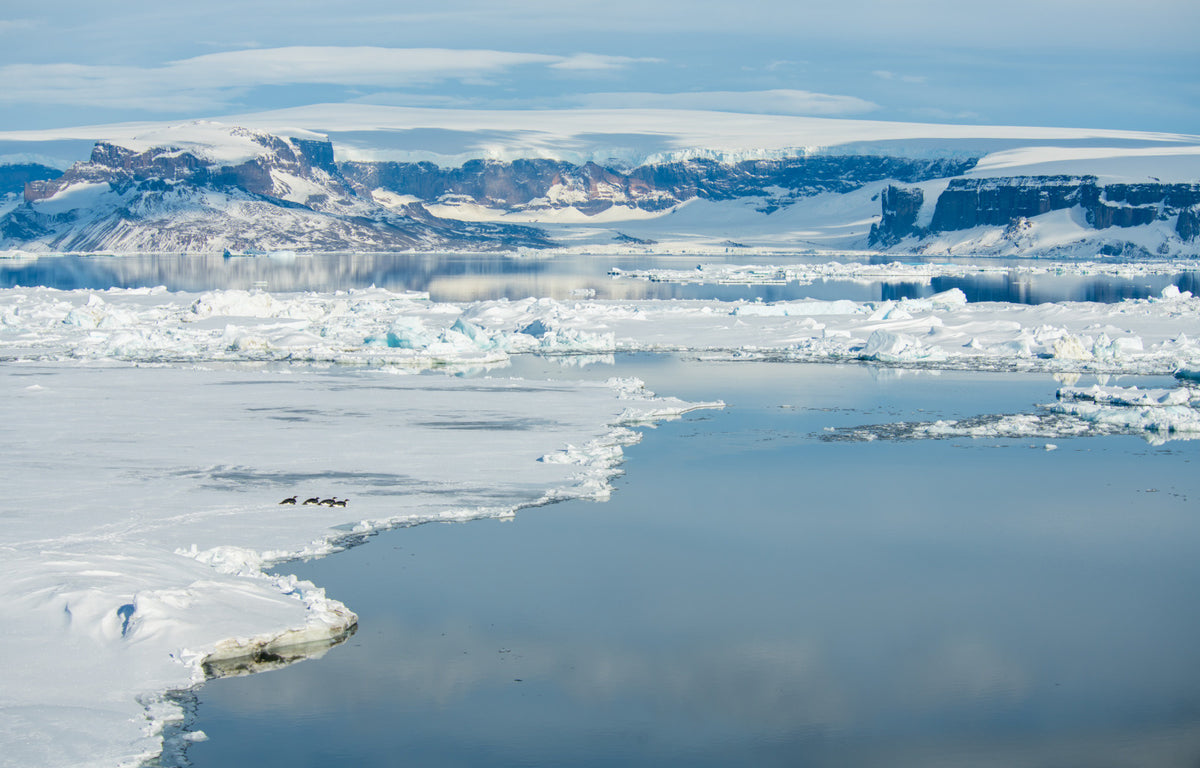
771	274
143	515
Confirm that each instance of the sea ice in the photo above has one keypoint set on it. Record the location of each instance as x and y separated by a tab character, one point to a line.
150	435
142	511
1158	415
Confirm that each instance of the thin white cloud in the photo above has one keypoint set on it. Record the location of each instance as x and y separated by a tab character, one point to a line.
784	64
594	61
884	74
16	25
215	80
938	115
346	66
777	102
410	99
107	86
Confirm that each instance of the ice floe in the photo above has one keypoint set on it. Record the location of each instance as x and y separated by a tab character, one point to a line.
142	515
802	274
1157	415
407	330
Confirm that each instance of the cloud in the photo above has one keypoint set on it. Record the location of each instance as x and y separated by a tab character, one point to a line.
593	61
16	25
938	115
347	66
884	74
784	64
776	102
106	86
217	79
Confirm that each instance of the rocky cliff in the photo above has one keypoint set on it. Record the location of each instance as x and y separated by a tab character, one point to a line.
14	178
1006	202
901	207
278	194
591	188
206	188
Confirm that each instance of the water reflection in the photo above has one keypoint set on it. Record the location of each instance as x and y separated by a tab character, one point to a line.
469	277
754	595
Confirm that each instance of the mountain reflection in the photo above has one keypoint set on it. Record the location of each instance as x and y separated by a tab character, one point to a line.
471	277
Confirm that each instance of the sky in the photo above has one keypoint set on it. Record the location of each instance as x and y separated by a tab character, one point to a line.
1068	63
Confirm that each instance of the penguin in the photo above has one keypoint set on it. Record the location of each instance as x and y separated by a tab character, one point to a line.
339	502
330	501
289	500
313	500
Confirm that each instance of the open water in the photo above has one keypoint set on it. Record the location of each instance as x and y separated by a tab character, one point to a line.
756	594
468	277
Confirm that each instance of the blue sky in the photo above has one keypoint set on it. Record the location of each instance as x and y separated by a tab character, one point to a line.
1093	63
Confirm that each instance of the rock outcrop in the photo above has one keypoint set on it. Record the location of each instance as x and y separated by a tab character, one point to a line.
14	178
279	194
900	210
205	187
591	188
967	203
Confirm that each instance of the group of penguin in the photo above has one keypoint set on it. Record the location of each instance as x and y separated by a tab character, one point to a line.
332	501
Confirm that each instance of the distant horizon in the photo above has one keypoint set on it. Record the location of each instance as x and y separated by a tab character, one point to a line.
1066	63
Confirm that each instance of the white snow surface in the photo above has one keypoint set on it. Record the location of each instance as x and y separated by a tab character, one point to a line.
86	195
1157	415
1168	164
216	142
143	499
639	136
772	274
449	137
1162	413
374	326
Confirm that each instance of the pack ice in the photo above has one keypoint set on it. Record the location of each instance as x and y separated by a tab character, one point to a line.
148	445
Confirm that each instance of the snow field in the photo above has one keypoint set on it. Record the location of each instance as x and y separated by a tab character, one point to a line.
143	511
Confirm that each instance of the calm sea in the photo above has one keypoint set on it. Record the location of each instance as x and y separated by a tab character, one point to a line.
755	594
466	277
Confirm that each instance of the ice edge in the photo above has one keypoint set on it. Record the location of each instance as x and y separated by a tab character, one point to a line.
329	622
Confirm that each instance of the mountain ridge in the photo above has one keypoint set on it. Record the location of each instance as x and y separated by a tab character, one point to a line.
204	187
169	198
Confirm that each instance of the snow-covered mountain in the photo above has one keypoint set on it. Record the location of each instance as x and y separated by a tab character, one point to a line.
211	188
380	180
